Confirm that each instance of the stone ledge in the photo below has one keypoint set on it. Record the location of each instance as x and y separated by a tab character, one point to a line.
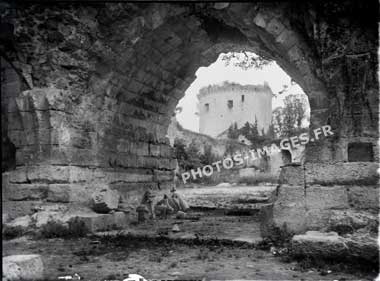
24	192
350	173
332	246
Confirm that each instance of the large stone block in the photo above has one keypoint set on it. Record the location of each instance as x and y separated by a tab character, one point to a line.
275	27
317	219
65	193
347	221
105	200
43	217
18	175
290	208
23	267
154	150
80	174
364	197
102	222
127	175
18	192
342	173
160	175
23	222
286	38
326	197
51	174
363	246
292	175
319	244
19	208
358	246
266	220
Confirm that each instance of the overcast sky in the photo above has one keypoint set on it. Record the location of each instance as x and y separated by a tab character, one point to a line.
217	73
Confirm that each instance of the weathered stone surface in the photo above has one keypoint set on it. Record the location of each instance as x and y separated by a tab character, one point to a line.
19	208
18	175
102	222
290	208
23	267
266	221
363	246
349	220
332	246
18	192
326	197
364	197
105	200
292	175
5	218
51	174
342	173
65	193
43	217
316	219
24	222
319	244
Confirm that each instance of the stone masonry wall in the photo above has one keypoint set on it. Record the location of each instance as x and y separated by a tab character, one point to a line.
100	81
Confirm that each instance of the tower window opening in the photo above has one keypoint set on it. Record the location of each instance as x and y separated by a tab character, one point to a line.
242	98
230	104
207	107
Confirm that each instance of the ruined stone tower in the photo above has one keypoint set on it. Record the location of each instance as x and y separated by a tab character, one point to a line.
222	105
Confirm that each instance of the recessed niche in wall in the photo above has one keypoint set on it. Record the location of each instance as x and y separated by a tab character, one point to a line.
360	152
286	156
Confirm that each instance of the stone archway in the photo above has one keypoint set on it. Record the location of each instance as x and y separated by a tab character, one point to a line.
104	79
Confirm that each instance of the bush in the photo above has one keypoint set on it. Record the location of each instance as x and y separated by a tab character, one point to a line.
11	232
77	228
52	229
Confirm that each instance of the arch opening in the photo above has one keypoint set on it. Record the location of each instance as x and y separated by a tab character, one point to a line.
236	109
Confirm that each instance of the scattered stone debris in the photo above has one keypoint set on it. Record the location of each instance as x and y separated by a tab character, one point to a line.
224	184
105	200
22	267
24	222
176	228
181	215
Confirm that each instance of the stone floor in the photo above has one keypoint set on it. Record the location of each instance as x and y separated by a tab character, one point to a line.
245	229
227	216
225	213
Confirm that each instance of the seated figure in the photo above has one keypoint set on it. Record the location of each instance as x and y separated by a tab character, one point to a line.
177	202
163	207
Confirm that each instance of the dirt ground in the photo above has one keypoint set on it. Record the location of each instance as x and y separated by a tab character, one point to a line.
113	258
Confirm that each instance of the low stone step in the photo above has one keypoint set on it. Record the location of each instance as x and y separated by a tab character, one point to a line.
103	222
330	245
22	267
93	221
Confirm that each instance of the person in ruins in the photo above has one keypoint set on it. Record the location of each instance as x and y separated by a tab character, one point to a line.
177	202
163	207
147	200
